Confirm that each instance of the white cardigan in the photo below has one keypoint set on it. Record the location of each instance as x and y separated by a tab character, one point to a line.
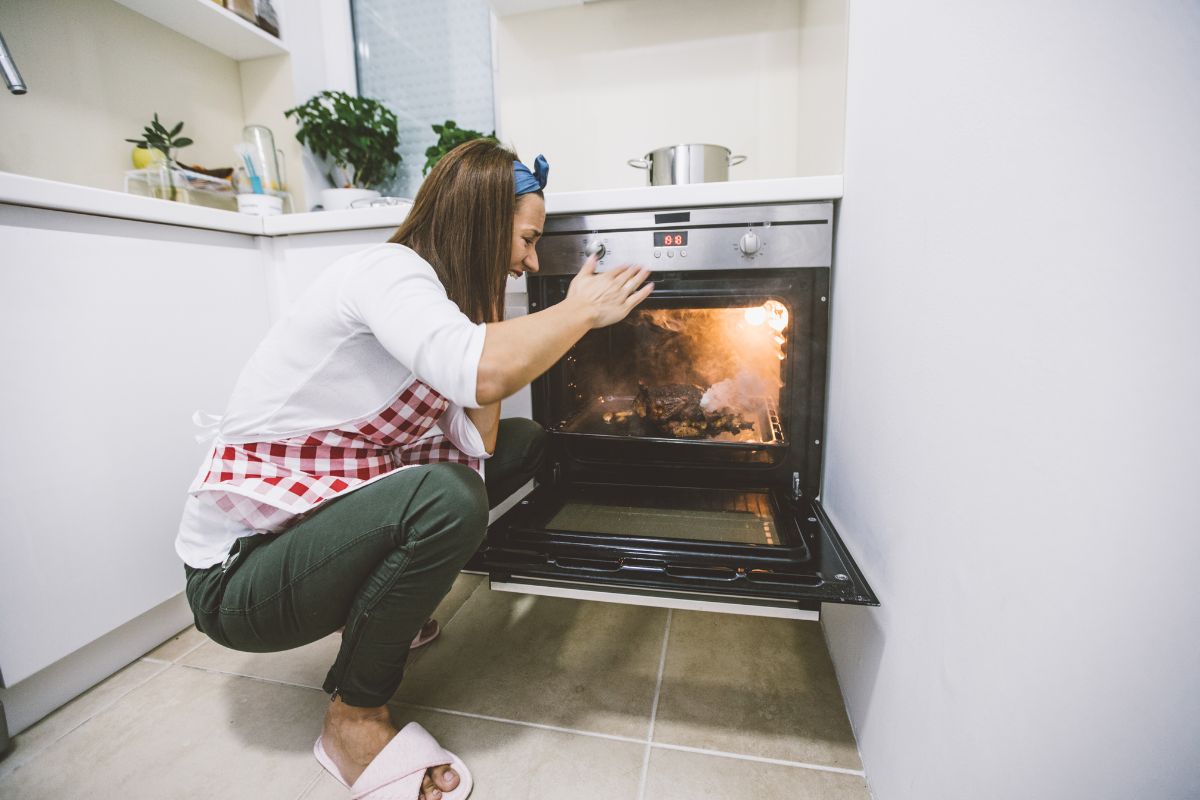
371	324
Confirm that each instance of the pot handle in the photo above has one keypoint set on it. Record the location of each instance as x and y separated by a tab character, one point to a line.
639	163
735	160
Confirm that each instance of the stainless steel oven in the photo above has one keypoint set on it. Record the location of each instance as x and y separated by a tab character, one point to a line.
685	442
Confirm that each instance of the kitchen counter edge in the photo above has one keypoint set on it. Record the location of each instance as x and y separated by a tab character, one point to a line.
23	190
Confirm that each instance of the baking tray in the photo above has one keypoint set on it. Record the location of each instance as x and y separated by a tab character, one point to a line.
589	423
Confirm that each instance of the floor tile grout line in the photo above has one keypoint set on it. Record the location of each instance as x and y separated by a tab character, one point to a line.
539	725
191	650
632	740
783	762
275	681
100	710
464	602
310	785
662	664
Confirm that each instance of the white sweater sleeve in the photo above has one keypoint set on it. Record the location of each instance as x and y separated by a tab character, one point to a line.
395	295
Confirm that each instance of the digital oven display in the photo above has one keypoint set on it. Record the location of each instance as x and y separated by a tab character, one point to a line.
670	238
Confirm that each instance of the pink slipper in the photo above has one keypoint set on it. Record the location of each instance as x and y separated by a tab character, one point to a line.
399	769
429	631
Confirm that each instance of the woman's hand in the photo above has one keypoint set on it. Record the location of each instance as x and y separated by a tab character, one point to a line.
608	297
517	350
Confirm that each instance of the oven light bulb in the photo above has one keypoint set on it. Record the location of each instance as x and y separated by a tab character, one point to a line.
756	315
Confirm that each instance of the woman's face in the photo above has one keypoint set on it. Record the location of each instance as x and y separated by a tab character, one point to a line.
528	222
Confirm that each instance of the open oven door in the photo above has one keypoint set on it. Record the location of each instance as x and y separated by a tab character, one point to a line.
746	551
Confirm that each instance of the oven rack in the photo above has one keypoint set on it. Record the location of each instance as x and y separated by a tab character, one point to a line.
588	424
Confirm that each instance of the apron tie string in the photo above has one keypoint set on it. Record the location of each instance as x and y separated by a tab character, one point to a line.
209	425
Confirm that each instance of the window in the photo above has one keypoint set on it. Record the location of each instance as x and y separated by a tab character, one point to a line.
428	61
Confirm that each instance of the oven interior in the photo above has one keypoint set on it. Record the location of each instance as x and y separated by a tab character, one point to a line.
711	372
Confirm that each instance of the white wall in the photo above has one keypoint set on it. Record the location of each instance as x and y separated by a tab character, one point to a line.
97	72
594	85
320	39
1014	444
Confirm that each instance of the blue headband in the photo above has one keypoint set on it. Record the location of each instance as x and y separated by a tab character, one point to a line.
534	181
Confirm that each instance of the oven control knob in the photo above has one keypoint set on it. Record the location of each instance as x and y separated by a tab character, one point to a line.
595	248
750	243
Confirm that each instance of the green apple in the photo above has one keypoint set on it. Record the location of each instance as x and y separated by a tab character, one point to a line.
147	156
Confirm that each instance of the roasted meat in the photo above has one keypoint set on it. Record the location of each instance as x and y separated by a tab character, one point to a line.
674	409
673	402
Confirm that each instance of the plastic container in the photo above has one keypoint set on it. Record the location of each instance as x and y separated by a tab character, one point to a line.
182	186
262	150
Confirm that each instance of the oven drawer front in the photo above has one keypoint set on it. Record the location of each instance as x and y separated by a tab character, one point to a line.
688	601
743	543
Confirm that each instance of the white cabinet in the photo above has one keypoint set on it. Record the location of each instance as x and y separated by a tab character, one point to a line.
114	332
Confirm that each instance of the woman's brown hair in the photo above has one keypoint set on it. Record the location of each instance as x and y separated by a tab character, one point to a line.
461	222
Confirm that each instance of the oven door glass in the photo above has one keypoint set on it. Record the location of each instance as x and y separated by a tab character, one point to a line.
707	370
740	541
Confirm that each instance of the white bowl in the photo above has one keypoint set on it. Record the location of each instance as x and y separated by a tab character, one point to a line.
265	205
338	199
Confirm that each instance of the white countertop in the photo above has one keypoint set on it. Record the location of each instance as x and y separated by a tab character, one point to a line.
40	193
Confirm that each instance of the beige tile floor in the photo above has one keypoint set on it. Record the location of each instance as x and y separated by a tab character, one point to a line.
541	697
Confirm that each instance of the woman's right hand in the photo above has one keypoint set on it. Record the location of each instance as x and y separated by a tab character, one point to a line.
517	350
608	297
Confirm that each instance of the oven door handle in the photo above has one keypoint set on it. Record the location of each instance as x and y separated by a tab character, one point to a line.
601	566
590	565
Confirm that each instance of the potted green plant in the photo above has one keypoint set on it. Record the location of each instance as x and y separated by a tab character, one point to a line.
156	150
356	137
450	136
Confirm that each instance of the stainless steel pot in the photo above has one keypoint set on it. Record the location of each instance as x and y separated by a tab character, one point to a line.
687	163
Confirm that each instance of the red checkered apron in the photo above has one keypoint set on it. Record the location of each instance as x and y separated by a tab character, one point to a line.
268	485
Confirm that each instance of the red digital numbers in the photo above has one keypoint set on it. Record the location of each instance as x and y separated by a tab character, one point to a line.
677	240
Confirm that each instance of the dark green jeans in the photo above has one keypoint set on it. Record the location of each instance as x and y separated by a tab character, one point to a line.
377	561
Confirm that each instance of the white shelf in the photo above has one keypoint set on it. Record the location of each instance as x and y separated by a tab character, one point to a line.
211	25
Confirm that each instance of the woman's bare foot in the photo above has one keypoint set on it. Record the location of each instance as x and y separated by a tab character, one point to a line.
353	736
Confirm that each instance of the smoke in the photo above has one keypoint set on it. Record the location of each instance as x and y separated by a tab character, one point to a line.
731	394
735	361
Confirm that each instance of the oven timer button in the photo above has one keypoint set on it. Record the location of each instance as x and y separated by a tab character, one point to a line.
658	253
670	254
683	253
